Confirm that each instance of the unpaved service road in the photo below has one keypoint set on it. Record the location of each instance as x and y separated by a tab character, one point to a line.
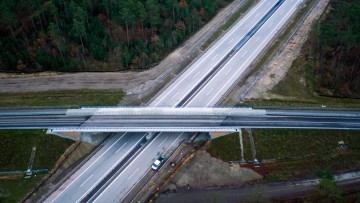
130	82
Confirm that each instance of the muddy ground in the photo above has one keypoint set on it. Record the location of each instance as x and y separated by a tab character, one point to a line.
129	81
204	171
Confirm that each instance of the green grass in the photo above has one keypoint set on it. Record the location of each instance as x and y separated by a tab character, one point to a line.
16	146
297	88
226	148
280	144
13	190
62	98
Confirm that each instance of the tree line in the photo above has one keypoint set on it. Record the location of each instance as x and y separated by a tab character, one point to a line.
337	72
83	35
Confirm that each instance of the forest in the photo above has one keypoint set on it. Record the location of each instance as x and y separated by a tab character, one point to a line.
337	71
95	35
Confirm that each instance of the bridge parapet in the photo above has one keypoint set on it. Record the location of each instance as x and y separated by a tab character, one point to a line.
148	111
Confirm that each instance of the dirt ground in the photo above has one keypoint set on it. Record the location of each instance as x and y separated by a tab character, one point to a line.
279	67
130	81
204	171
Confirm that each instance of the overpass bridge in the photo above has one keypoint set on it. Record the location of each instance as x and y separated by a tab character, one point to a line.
154	119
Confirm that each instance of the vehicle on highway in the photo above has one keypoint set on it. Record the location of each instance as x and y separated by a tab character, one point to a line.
158	162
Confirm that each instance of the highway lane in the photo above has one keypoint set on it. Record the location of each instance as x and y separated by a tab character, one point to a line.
165	143
33	112
167	120
83	180
40	121
197	71
212	92
207	123
171	96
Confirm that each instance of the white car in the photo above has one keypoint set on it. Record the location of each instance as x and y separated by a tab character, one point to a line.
158	162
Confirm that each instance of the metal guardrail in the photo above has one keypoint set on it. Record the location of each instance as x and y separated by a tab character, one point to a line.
277	53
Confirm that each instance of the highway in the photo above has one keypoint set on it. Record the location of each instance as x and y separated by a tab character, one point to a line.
200	69
236	66
109	158
184	120
187	86
124	182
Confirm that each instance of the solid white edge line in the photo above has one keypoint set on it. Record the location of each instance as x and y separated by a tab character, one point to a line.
87	168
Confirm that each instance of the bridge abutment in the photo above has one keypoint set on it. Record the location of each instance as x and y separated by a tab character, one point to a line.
88	137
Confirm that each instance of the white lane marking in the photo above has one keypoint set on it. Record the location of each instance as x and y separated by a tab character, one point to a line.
214	49
131	163
163	153
214	57
271	25
196	74
210	91
163	141
173	143
242	55
257	14
231	41
117	162
281	21
257	39
133	174
175	95
227	72
85	181
88	167
120	148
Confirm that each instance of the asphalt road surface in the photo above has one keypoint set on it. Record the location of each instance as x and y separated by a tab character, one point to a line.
212	92
180	89
187	81
187	123
94	170
124	182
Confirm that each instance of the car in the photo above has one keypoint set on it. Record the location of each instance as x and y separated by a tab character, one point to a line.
158	162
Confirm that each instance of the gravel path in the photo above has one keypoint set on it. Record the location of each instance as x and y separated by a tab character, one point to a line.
131	82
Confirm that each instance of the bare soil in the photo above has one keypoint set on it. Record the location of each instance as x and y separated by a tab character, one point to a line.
130	81
204	171
279	67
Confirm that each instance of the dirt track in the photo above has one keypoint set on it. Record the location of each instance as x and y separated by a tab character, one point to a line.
130	82
279	67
